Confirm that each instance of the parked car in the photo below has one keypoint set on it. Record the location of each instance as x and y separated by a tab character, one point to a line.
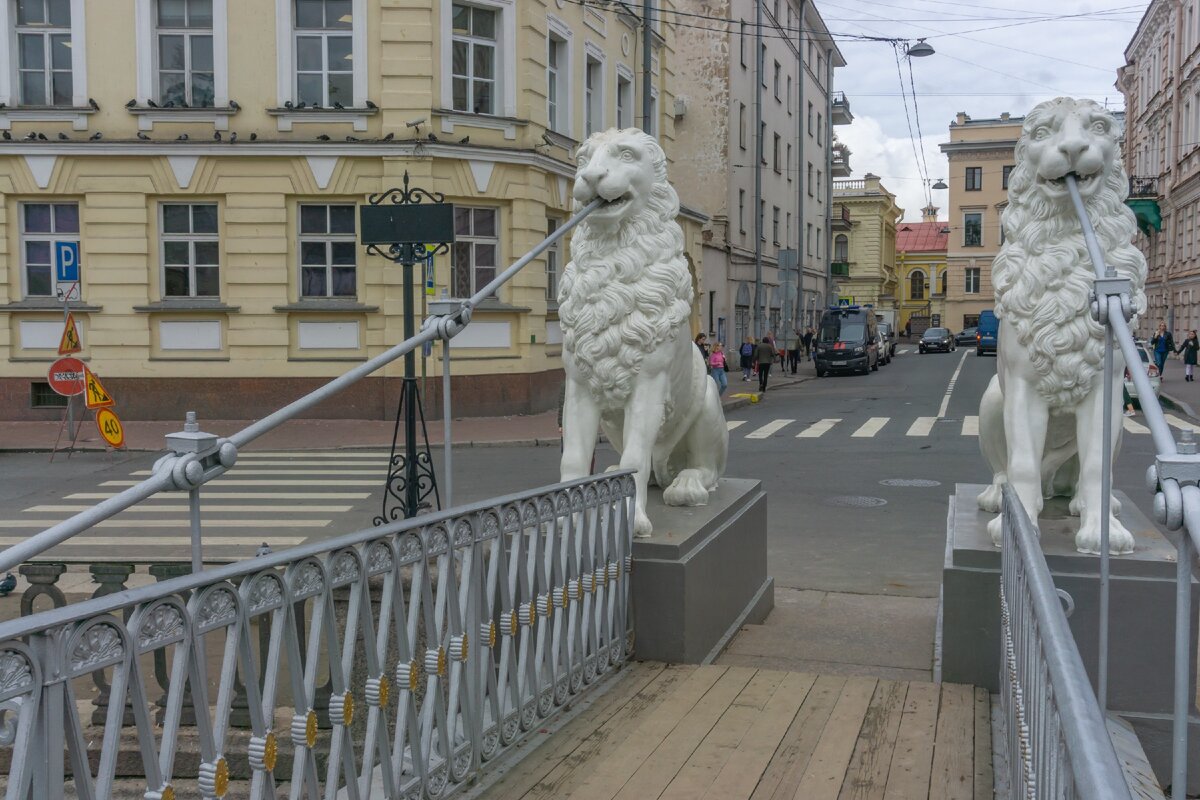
937	339
847	339
1151	371
966	336
889	336
885	352
987	333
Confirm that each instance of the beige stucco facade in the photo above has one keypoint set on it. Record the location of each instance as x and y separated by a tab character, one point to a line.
870	275
243	326
979	151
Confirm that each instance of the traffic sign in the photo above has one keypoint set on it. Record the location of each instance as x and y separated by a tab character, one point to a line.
66	261
68	290
66	376
110	428
69	343
845	301
94	392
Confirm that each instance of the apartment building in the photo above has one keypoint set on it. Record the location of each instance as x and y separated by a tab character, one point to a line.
921	269
1161	85
209	157
864	244
728	77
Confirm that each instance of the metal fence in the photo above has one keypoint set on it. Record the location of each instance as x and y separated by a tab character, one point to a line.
394	662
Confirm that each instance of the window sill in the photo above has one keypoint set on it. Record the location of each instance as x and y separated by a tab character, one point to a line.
326	306
285	118
147	116
77	116
48	304
508	125
186	305
492	304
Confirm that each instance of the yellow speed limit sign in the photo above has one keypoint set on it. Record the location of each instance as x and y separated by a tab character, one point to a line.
110	428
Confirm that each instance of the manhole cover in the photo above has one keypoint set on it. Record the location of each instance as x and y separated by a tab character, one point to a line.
923	483
855	501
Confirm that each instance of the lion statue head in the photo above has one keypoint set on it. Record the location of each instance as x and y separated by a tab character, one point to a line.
1043	275
627	286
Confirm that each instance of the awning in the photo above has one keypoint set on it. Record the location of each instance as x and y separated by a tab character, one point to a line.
1147	213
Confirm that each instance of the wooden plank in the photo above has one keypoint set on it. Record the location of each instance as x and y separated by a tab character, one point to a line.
867	777
791	758
984	784
912	758
827	768
639	685
722	741
607	774
747	763
953	774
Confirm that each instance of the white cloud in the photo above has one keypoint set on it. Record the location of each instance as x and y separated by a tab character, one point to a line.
892	159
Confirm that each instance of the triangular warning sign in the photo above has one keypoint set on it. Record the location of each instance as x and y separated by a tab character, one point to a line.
97	396
70	338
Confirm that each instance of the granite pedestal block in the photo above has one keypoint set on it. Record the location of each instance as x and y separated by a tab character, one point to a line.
1141	613
702	575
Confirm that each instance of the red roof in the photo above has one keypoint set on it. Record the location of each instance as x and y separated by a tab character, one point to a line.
922	236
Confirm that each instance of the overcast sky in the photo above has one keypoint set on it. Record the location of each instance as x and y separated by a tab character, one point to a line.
1026	58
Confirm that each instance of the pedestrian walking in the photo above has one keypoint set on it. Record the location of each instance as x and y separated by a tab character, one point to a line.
701	341
746	353
716	364
764	354
1189	347
1129	412
1163	344
794	353
808	340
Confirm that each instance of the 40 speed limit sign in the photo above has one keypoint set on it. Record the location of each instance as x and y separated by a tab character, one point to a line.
110	428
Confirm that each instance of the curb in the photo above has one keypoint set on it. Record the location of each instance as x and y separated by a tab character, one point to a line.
547	442
1176	404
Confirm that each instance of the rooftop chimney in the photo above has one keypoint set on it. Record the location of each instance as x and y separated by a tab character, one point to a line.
929	213
1004	116
961	118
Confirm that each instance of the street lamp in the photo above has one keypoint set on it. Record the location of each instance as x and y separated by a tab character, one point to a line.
919	50
941	184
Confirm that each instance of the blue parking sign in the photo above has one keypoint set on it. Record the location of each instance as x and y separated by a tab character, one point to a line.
66	262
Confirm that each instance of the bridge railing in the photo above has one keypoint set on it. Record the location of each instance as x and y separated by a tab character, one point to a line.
394	662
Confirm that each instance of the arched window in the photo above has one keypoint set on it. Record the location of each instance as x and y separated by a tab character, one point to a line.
942	277
841	248
916	287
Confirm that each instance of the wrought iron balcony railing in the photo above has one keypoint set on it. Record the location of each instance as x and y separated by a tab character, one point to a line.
839	269
1143	186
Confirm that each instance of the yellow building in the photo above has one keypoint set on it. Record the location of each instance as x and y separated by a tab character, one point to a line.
864	243
209	157
980	152
921	266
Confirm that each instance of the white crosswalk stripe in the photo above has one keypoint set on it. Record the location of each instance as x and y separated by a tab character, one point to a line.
1182	424
1134	427
871	427
921	426
902	352
734	423
970	426
770	429
817	429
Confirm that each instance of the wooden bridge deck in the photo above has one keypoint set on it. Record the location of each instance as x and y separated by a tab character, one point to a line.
737	733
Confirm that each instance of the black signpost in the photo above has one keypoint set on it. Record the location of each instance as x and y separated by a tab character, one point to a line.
398	225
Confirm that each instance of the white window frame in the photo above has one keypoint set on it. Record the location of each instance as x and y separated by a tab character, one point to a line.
966	214
9	54
553	261
654	114
191	238
506	57
559	36
51	237
327	239
624	96
977	274
187	34
145	20
593	99
472	239
323	34
285	50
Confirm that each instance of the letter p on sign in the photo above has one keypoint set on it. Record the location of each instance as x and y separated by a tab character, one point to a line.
66	262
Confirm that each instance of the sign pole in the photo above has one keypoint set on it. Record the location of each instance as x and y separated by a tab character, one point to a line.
70	400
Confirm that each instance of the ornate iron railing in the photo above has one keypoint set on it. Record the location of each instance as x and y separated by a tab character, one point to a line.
393	662
1058	745
1143	186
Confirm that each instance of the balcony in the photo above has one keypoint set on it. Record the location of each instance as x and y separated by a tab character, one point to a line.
840	219
841	161
841	109
1143	186
1143	200
839	269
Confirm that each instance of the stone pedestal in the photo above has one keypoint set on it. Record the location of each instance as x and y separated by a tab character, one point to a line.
702	575
1141	614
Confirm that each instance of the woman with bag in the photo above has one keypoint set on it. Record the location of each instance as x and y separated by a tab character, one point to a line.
1189	348
716	364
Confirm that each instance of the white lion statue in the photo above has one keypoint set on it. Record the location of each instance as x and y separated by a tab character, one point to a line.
1041	418
625	305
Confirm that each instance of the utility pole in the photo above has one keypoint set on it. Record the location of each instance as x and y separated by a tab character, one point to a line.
800	160
828	234
758	155
647	76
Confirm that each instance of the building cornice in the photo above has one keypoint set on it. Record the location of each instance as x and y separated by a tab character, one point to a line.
1000	146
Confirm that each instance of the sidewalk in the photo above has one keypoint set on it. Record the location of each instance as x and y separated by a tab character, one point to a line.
1176	391
539	430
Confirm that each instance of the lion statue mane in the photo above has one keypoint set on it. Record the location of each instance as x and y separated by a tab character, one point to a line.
625	306
1041	418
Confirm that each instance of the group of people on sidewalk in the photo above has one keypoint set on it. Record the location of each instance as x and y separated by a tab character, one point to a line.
755	358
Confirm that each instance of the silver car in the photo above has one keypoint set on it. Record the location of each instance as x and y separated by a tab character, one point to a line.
1151	371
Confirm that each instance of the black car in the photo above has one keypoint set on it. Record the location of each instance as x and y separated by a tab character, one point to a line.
966	336
847	339
937	339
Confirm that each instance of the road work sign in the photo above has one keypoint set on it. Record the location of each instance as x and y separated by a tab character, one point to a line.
66	376
95	393
69	343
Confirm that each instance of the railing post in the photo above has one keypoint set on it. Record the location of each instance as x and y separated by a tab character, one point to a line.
1183	605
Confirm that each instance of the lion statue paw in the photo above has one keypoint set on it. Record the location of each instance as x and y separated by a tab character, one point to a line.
989	498
1120	540
687	489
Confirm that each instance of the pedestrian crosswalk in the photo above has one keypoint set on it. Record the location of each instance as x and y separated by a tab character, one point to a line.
872	427
281	498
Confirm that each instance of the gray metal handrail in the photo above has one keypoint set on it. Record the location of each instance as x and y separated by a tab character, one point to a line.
189	471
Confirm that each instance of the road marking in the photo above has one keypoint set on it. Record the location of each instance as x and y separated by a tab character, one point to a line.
215	508
211	495
1183	425
871	427
902	352
734	423
226	482
817	429
175	523
84	540
921	426
291	471
950	387
770	429
296	462
970	426
1134	427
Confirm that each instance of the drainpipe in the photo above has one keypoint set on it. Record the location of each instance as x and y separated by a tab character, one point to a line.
800	160
828	168
758	154
647	56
